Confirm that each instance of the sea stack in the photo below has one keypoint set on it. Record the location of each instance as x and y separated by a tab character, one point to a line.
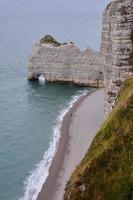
65	62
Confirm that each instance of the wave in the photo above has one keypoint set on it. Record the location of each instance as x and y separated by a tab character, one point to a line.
38	176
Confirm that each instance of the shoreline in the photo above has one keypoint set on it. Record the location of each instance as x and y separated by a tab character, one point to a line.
58	174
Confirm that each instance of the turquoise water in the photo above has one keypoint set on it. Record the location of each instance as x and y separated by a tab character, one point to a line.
29	111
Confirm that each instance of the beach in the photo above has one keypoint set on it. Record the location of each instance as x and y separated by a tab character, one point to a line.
79	127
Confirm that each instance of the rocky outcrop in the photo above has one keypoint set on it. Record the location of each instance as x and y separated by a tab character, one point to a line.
65	63
117	48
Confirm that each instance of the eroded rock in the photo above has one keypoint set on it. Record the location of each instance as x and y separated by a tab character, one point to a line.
65	63
117	48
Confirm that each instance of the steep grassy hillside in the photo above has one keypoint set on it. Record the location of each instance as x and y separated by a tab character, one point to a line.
106	173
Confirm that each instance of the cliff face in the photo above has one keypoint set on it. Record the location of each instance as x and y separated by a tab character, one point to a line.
65	63
117	48
106	172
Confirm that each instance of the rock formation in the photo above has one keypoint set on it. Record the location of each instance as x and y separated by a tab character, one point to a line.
65	63
117	48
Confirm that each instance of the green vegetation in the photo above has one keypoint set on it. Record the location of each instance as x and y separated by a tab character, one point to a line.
49	40
106	172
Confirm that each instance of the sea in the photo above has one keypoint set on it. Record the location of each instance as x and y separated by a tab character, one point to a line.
31	113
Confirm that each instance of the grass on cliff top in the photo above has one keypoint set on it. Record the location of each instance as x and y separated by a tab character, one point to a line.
48	39
106	172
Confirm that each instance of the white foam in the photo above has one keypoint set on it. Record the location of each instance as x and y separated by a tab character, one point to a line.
37	178
42	79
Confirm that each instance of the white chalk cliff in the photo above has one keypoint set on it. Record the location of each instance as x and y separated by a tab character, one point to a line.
117	48
65	63
114	64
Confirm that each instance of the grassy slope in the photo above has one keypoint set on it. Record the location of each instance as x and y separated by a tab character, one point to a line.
107	169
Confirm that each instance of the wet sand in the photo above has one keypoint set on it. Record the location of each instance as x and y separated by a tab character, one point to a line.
79	127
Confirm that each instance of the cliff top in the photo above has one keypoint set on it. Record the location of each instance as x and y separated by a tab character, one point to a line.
48	39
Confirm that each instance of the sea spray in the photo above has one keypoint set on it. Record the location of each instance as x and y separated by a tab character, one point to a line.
38	176
42	79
